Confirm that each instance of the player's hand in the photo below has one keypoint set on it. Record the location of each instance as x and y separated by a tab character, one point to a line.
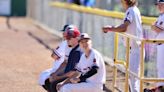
58	86
51	79
74	80
153	27
105	29
54	56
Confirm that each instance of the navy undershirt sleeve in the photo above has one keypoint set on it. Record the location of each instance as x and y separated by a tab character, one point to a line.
90	73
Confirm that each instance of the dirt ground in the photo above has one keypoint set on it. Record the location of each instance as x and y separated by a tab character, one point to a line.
25	51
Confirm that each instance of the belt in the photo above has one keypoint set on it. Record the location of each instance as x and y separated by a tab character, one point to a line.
159	43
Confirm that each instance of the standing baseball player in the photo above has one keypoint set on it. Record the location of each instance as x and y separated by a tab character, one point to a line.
133	25
158	27
90	73
59	55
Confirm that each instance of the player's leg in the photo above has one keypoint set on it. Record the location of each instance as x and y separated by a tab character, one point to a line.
160	63
47	85
43	79
134	67
54	84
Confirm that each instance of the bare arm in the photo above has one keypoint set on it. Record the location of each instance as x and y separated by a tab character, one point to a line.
75	74
74	78
156	29
120	28
60	70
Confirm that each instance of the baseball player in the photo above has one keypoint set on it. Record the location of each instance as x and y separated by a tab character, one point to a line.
90	71
59	55
158	27
72	35
133	25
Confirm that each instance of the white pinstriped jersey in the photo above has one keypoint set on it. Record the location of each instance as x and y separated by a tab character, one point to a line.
160	24
135	27
94	59
62	50
160	48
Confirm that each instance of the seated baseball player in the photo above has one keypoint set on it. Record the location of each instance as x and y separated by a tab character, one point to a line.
59	55
89	74
72	35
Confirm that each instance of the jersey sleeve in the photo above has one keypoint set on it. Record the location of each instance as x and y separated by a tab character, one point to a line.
60	50
92	71
160	22
95	61
128	17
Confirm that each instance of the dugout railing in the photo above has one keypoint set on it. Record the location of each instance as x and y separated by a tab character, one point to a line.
140	76
53	15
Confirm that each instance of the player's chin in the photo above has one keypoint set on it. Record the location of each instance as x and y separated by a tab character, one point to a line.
69	46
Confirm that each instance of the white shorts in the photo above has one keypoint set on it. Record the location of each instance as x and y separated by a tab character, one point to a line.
160	63
82	87
44	76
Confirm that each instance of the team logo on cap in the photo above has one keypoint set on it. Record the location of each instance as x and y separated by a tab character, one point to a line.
161	23
82	36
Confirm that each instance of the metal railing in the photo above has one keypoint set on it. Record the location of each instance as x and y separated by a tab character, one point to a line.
125	63
90	20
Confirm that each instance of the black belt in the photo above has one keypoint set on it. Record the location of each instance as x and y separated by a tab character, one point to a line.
159	43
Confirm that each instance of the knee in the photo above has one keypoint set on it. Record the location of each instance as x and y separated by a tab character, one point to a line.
65	88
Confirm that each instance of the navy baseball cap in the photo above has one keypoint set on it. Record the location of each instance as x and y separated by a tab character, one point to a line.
159	1
65	27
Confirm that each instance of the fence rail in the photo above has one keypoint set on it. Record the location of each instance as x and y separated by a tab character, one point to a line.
54	15
140	76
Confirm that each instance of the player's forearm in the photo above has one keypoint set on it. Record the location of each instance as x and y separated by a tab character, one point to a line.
156	29
59	73
121	28
61	77
90	73
60	70
75	74
70	74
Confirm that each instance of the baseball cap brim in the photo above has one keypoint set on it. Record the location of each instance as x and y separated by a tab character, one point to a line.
84	36
64	28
